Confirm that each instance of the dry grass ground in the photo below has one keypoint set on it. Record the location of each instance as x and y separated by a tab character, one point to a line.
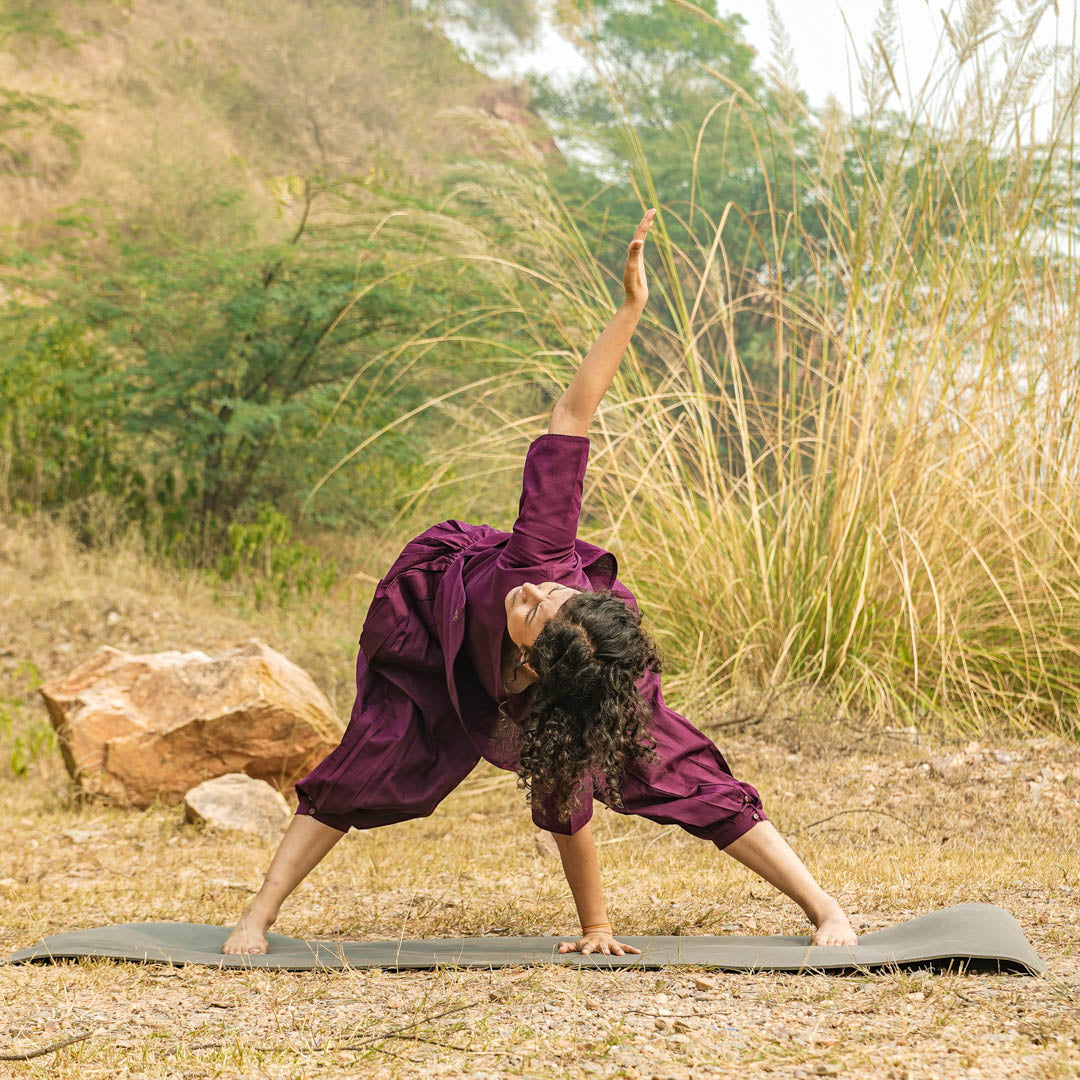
895	825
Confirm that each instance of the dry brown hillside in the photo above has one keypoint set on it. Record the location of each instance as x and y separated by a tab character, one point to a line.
148	105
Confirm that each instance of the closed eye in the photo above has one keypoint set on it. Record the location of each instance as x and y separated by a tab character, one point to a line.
528	618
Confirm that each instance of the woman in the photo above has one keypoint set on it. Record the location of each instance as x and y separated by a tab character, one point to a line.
523	648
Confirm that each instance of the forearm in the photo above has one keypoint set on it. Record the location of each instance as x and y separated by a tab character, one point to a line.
593	377
763	850
582	869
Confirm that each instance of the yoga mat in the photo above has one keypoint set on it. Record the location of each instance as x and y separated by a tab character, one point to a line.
970	936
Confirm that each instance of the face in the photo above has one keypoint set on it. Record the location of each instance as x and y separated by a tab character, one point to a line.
529	608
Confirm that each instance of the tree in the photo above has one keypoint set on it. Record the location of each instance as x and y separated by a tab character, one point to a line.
678	89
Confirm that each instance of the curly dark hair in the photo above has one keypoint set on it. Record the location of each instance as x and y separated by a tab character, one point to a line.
587	715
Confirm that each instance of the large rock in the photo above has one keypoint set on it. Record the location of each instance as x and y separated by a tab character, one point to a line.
238	802
136	728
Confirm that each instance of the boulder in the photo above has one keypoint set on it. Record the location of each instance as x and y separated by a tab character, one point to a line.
139	728
237	801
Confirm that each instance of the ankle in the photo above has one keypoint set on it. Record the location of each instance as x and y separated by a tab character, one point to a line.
260	912
824	911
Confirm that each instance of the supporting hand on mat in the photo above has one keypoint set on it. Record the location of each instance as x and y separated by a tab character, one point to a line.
597	942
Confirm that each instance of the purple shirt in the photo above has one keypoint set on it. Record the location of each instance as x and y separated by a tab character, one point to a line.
429	683
472	568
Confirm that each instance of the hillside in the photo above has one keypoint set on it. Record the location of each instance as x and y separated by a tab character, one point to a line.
146	106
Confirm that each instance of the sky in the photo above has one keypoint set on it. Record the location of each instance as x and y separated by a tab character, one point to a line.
824	47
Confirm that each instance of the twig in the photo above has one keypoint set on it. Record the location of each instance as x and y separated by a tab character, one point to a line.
858	810
748	721
46	1049
392	1033
396	1031
460	1049
662	1016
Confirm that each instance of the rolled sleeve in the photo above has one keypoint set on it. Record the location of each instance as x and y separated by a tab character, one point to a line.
550	504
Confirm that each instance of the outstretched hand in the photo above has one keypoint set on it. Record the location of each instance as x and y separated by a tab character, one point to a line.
637	288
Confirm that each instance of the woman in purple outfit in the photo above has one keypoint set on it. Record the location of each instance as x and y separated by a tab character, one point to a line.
524	649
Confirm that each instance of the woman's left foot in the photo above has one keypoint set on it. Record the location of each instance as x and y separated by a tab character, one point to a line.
834	930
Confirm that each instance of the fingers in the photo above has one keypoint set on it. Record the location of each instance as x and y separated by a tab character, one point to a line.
614	948
643	229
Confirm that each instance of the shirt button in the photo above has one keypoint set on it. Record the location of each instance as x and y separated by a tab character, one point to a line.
756	818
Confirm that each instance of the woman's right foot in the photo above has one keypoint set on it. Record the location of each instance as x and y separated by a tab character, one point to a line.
248	936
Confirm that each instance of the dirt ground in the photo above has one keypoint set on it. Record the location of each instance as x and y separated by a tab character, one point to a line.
892	823
974	828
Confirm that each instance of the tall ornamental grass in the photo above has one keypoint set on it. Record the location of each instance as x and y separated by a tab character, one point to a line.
887	510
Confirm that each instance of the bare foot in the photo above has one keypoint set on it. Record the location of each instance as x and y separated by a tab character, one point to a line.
834	930
249	935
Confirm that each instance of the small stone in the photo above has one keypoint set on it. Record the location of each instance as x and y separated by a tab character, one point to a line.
948	764
917	996
81	836
704	984
825	1070
8	885
113	617
1003	757
237	802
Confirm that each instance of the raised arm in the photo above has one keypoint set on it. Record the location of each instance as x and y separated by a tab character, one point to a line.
575	409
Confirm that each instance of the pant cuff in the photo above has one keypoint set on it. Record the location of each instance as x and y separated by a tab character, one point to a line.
730	831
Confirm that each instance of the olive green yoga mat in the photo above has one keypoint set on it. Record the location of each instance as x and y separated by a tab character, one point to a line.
970	936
